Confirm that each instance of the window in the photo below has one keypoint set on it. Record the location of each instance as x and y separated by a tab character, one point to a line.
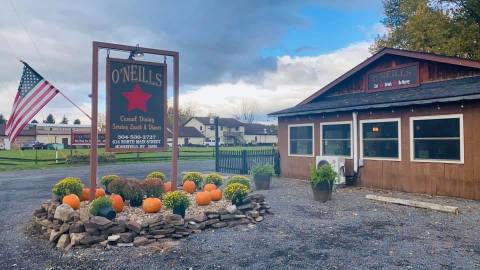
300	140
336	139
380	139
437	138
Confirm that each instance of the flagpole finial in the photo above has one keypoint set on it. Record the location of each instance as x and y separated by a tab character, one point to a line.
21	60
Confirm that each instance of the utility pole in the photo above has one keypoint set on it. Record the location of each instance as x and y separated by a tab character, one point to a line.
217	144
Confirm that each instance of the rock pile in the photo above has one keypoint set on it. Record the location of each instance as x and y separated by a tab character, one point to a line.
66	228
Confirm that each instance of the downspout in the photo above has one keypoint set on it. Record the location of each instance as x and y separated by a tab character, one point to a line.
355	142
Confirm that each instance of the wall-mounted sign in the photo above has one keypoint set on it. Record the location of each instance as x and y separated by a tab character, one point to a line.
393	78
82	138
136	105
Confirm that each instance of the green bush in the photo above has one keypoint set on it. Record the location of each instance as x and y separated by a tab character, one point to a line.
176	199
214	178
152	187
157	174
265	169
133	192
324	174
107	157
68	185
195	177
239	179
107	179
117	186
236	192
98	204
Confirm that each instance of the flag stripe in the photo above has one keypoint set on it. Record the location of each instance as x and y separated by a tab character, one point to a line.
27	101
15	104
26	118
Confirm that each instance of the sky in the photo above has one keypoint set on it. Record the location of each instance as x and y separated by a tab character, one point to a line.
268	54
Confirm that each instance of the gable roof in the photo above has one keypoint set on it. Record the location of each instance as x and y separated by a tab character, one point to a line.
186	132
226	122
259	129
432	92
398	52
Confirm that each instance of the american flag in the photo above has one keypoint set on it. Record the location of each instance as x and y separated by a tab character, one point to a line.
33	94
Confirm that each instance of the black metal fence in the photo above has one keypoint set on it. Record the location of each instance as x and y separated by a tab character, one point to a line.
242	161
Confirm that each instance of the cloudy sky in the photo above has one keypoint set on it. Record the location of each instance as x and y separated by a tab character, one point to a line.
272	54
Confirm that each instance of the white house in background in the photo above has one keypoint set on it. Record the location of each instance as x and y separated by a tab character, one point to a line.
187	136
234	132
58	133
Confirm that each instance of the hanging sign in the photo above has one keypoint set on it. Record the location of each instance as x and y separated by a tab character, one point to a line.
136	105
83	138
393	78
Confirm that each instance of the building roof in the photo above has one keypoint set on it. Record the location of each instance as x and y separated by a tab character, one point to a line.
57	125
432	92
186	132
259	129
27	131
226	122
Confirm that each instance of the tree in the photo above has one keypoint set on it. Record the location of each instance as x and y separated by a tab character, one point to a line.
50	119
185	113
34	121
448	27
246	111
64	120
2	119
77	122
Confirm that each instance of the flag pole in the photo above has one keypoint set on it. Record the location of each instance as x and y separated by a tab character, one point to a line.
73	103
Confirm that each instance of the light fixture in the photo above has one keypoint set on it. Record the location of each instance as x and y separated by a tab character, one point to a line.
375	129
137	53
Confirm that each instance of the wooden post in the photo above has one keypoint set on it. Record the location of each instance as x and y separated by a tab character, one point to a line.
418	204
93	129
176	81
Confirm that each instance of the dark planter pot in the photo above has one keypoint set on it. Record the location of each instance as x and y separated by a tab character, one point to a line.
107	191
107	212
136	203
262	181
179	211
322	192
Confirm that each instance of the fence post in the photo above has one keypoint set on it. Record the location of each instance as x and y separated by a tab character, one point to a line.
244	162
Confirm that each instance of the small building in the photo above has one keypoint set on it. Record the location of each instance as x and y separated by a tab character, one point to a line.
260	134
231	131
58	133
403	120
187	136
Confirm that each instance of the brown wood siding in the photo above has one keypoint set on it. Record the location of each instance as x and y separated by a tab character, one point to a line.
459	180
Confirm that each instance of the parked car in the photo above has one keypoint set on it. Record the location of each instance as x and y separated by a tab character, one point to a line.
209	142
54	146
33	145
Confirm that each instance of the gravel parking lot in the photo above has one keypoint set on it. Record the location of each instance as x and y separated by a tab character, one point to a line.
349	232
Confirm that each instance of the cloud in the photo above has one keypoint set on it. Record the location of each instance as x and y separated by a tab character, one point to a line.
294	79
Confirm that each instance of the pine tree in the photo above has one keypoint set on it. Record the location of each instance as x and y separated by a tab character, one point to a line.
64	120
2	119
50	119
77	122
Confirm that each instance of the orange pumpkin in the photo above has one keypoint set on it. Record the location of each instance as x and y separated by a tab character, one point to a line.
72	200
117	202
85	194
167	187
152	205
100	192
209	187
203	198
216	194
189	186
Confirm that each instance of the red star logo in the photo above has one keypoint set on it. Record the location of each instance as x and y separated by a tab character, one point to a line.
137	99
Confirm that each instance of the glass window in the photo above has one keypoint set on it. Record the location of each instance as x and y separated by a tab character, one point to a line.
437	139
336	140
301	140
380	139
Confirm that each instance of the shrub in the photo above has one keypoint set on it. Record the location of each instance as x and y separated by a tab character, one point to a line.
98	204
152	187
107	179
239	179
68	185
195	177
117	186
157	174
176	199
236	192
324	174
134	192
214	178
265	169
107	157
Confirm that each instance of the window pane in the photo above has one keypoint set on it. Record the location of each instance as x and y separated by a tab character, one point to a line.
336	147
380	130
380	148
301	132
341	131
437	128
437	149
301	147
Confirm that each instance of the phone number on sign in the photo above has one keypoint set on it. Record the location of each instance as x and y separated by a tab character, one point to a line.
136	137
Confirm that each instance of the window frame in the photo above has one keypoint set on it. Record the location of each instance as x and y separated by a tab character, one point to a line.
351	138
313	139
381	120
434	117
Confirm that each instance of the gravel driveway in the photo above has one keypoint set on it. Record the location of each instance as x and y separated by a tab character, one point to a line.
348	232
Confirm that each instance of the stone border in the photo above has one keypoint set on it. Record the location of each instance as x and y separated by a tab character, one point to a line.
66	228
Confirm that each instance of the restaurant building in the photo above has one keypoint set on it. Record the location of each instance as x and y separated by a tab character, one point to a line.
403	120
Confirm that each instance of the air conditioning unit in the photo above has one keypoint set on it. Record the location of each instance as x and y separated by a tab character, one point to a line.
338	164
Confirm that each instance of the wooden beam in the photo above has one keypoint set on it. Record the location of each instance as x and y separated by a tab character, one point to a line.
418	204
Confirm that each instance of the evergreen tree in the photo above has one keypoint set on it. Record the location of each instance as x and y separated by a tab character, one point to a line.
77	122
50	119
2	119
64	120
34	121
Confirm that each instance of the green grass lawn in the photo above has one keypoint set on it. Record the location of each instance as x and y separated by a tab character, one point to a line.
21	160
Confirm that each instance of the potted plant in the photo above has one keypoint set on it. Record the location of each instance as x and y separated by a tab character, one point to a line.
134	193
178	201
66	186
103	207
236	193
106	180
322	180
262	176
